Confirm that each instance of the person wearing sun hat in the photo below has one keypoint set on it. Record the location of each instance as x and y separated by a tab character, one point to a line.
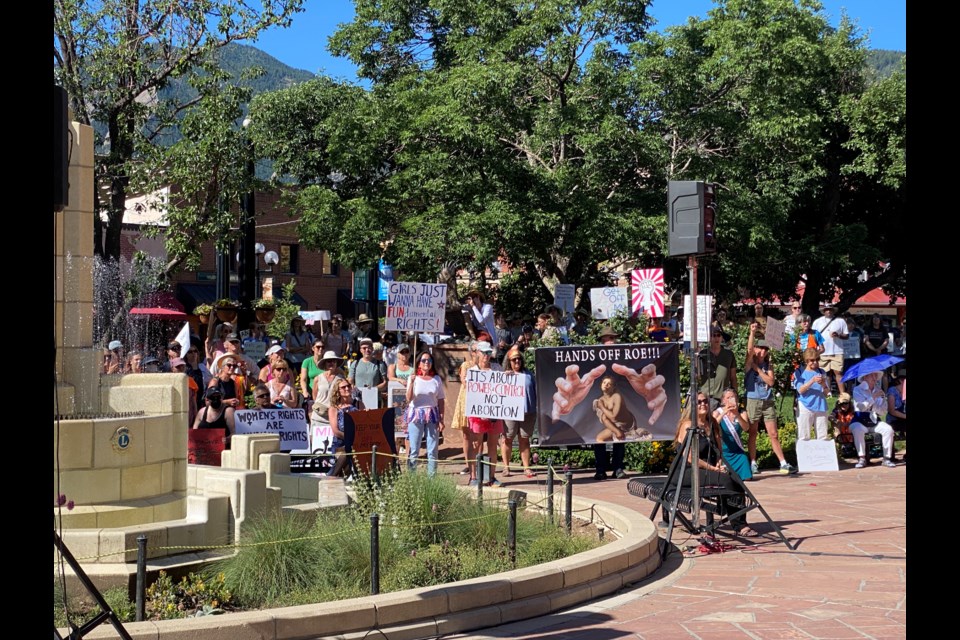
366	328
322	386
834	330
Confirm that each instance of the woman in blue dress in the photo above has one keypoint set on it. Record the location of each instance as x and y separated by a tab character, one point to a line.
733	424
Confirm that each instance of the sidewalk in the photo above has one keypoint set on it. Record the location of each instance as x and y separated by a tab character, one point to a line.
846	579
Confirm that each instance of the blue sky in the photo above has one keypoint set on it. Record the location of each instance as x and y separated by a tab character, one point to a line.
303	45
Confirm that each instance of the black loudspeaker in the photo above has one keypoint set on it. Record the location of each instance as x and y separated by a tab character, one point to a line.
60	148
691	224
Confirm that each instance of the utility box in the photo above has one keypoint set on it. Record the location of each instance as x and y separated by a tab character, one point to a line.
691	211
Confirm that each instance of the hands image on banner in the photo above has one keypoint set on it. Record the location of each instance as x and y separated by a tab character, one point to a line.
572	389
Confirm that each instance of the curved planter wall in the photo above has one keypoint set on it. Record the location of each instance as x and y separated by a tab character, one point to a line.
451	608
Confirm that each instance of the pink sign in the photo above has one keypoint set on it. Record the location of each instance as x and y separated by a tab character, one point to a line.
647	292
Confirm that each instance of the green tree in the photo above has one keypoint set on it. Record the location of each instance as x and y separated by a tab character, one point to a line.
492	129
114	57
760	98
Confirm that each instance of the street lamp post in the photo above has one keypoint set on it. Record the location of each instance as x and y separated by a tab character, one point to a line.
248	238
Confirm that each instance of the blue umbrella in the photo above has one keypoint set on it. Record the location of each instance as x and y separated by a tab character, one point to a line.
870	365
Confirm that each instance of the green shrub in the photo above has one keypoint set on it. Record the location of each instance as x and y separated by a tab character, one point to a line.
278	554
84	608
195	593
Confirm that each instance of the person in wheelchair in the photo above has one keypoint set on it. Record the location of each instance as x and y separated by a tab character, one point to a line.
869	402
841	417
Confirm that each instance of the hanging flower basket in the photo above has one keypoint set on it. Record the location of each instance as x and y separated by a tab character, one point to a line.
266	314
226	310
202	311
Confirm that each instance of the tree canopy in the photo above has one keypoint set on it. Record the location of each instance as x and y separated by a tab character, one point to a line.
114	58
544	134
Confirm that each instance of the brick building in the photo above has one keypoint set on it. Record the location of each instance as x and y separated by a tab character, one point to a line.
320	283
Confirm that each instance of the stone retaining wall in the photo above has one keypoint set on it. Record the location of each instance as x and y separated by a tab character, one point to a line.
455	607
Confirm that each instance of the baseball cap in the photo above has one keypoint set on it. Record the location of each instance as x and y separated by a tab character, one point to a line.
368	341
484	347
115	344
403	347
761	344
177	362
274	349
213	391
233	338
173	346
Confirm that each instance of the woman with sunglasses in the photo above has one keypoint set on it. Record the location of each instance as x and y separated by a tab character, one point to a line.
424	415
710	464
282	393
323	388
216	415
810	382
520	429
226	381
342	401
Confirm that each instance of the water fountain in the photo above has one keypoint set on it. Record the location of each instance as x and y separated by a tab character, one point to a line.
120	441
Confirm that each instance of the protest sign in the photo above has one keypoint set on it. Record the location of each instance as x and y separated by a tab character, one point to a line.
817	455
364	429
606	302
495	395
851	349
601	385
397	398
416	306
370	397
204	446
563	295
774	333
704	317
255	349
647	292
289	424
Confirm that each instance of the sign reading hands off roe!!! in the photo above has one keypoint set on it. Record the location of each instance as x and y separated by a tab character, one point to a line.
416	306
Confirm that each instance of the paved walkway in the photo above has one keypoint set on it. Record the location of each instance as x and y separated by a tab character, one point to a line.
846	579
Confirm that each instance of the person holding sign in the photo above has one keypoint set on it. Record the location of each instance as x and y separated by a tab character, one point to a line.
216	415
424	413
342	401
522	429
480	426
401	371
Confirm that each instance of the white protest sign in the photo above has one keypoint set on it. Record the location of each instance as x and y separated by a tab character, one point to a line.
704	308
416	306
607	302
563	295
397	398
497	395
290	424
817	455
255	349
370	396
851	349
774	333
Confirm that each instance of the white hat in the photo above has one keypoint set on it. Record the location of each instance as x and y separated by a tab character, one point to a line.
484	347
274	349
330	355
115	344
215	365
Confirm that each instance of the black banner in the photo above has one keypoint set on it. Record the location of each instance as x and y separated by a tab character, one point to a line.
608	393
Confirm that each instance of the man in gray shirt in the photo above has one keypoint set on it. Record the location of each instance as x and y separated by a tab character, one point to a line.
368	371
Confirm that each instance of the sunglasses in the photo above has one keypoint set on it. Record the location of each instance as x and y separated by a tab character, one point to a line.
230	366
262	395
280	368
427	360
344	386
516	359
703	401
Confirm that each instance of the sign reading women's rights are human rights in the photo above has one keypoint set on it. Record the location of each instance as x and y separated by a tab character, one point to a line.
416	306
495	395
